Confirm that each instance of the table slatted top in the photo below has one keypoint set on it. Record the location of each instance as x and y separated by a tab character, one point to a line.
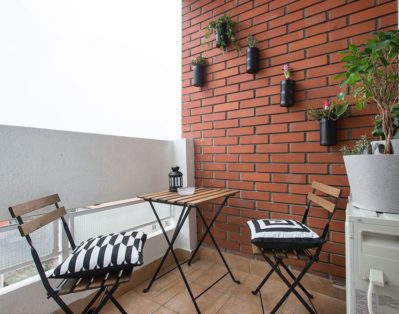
200	195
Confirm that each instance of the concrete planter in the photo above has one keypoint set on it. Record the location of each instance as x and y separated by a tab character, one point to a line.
374	181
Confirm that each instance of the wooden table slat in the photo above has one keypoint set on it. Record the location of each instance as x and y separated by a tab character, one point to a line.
171	198
180	198
159	195
212	197
152	194
197	197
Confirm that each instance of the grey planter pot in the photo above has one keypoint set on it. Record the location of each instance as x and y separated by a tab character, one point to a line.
374	181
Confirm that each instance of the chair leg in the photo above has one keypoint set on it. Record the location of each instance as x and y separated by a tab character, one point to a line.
106	297
88	307
263	282
291	286
117	304
309	295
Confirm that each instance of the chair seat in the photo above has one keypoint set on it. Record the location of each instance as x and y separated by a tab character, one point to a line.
282	234
103	254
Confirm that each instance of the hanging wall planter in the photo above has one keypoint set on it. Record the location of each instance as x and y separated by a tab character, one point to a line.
328	132
199	71
222	40
224	29
328	117
287	94
252	55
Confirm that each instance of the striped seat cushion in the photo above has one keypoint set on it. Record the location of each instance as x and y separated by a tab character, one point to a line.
282	234
103	254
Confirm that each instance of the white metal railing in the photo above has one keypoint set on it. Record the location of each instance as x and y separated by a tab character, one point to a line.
51	241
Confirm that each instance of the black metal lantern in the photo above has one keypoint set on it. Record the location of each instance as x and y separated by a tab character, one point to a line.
175	179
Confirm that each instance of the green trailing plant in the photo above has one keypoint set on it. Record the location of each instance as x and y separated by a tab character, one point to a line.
379	132
199	60
361	147
252	41
335	110
372	76
230	32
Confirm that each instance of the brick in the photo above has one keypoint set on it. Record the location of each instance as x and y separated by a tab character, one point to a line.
309	21
240	131
259	196
288	158
288	18
240	113
213	133
255	158
271	167
308	168
263	177
272	128
289	198
225	124
240	96
350	8
288	117
324	6
254	121
289	178
326	27
289	137
271	187
201	126
213	116
373	12
272	148
273	207
241	149
226	107
254	139
361	28
241	167
307	147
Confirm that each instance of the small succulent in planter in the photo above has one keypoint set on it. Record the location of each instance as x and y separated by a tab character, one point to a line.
287	94
328	116
360	148
224	28
252	55
199	66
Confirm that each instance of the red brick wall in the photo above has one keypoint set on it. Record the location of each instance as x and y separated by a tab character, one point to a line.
243	138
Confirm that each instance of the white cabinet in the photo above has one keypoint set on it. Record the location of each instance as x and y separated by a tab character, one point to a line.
372	244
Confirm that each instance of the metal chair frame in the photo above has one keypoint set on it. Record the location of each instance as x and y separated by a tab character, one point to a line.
275	257
106	284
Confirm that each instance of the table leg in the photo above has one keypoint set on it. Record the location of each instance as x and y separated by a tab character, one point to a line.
182	219
208	231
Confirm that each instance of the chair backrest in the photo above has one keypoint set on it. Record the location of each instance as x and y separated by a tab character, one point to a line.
328	205
26	228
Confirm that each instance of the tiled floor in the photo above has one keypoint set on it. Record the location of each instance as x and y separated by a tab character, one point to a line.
169	295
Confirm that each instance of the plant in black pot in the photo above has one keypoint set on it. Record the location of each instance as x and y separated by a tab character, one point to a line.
199	67
252	55
224	29
328	116
287	94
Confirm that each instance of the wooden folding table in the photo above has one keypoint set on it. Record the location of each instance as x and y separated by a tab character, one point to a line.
188	202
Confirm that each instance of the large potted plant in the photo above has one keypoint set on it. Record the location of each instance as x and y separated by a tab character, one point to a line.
372	77
328	115
252	55
199	66
225	32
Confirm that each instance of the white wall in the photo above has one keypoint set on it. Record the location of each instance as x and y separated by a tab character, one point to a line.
98	66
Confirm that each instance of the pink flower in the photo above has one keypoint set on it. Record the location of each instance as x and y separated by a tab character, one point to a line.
326	104
286	68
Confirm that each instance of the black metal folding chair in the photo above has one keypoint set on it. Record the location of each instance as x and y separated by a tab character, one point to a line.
276	240
106	281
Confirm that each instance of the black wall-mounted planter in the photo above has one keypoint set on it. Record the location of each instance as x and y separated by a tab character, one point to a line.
287	94
252	60
199	75
328	132
221	36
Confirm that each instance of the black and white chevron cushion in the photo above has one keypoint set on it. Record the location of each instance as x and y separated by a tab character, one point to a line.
282	234
103	254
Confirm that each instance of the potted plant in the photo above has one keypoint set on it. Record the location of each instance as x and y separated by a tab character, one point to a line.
372	77
287	88
252	55
328	116
224	28
199	66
